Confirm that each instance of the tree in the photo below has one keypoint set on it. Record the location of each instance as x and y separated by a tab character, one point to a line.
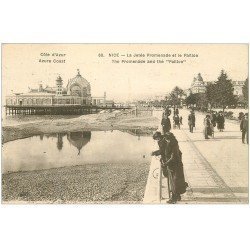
211	94
223	91
245	91
198	99
174	98
191	99
201	101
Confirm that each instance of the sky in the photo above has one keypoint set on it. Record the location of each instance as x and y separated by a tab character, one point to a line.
122	81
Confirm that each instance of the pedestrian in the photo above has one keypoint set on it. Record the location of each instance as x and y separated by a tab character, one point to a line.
220	122
175	167
214	118
241	114
191	121
176	121
166	112
208	126
244	128
165	122
181	120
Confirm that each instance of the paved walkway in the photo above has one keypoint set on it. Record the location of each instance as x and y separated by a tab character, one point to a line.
215	169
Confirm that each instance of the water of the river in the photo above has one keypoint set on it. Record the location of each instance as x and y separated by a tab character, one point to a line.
75	148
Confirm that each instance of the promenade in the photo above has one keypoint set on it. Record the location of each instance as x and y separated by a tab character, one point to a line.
215	169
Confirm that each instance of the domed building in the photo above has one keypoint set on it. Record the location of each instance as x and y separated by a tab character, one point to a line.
79	87
76	93
198	85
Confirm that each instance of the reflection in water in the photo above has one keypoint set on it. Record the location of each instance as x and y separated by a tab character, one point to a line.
79	139
75	148
59	141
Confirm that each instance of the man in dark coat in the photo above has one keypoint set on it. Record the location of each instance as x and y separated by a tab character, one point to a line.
171	159
214	118
244	128
176	121
191	121
165	122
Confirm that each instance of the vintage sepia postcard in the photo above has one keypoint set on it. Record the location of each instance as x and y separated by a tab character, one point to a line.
125	123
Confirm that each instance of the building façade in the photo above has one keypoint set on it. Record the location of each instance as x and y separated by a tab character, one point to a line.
77	92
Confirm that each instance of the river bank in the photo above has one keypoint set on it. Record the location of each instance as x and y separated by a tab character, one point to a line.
93	122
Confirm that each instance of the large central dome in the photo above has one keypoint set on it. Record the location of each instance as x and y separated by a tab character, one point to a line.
79	80
78	86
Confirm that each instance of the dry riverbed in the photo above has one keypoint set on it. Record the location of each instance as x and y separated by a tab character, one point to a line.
98	183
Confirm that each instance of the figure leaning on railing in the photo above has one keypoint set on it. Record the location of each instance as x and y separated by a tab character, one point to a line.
171	162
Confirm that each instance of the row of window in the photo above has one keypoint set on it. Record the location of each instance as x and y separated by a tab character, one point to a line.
44	101
24	101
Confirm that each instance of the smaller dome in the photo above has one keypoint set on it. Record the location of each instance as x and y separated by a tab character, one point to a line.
199	78
59	79
197	81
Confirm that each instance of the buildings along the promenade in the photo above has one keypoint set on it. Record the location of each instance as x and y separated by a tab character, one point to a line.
198	85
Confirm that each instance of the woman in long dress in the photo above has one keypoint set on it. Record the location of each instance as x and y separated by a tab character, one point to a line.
220	122
208	127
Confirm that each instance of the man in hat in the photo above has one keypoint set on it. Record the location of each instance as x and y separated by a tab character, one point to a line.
191	121
244	128
165	122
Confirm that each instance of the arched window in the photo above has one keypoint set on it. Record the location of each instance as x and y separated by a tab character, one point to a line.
76	90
